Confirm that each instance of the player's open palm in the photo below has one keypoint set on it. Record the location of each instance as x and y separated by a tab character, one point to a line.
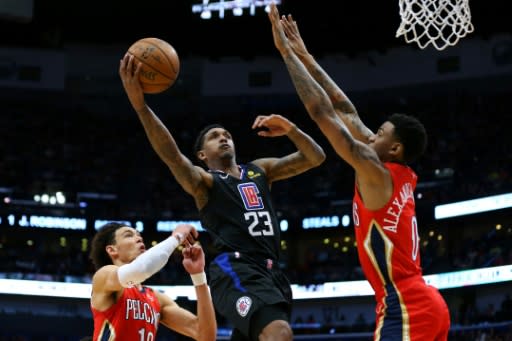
280	39
292	32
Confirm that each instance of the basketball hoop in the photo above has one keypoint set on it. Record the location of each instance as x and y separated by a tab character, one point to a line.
438	22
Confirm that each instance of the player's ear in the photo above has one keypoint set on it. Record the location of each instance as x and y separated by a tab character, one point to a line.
201	155
397	150
111	250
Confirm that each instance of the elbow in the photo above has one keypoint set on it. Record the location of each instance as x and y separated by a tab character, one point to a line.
319	110
314	111
319	158
208	335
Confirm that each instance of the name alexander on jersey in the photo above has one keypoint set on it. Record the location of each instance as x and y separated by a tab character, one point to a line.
397	205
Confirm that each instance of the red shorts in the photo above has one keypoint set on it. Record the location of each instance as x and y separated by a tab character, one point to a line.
412	311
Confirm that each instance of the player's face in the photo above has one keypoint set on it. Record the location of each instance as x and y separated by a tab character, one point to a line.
218	143
129	244
384	142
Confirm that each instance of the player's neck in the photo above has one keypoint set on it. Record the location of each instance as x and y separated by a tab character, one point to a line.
233	170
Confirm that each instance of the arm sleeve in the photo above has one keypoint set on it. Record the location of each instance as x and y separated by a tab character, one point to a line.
147	264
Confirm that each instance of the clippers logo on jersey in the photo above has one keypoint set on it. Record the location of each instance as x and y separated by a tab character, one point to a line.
243	305
250	196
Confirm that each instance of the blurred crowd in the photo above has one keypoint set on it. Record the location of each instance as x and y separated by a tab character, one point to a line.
52	145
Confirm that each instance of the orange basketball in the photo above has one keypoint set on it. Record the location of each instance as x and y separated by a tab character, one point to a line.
160	64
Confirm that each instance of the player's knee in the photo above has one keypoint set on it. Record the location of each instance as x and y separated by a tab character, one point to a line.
278	330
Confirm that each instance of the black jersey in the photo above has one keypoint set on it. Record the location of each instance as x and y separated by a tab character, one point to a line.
239	214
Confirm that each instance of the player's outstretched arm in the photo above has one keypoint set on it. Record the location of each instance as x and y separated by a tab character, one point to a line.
342	104
319	107
188	175
113	278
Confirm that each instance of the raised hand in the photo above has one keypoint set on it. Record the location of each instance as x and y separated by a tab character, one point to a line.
292	33
193	259
280	40
276	125
129	71
186	234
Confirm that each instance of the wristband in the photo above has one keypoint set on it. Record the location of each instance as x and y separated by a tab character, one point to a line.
198	279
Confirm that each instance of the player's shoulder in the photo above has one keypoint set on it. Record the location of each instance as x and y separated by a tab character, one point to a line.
163	299
206	176
259	165
104	271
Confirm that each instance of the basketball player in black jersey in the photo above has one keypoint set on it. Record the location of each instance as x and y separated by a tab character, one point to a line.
235	207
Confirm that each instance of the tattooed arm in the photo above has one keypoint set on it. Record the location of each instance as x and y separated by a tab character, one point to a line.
342	104
193	179
370	172
309	154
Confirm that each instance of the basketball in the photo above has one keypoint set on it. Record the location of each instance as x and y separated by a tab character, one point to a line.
160	64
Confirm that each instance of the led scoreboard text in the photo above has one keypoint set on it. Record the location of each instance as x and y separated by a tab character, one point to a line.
49	222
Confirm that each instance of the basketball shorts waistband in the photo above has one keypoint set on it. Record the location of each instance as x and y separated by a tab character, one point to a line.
268	263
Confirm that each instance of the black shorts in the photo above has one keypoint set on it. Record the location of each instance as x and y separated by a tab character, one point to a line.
241	286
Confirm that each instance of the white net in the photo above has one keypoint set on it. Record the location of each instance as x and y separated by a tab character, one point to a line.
438	22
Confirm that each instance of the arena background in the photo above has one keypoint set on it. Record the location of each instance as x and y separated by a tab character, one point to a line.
67	127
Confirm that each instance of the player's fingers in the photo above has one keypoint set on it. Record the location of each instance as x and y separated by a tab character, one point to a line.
295	27
194	233
289	21
193	250
287	29
192	236
129	65
122	64
273	10
137	70
190	240
257	121
126	63
269	120
198	250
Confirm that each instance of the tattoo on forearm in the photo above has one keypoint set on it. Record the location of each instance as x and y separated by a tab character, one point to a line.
346	107
361	129
319	74
306	87
332	89
287	167
356	149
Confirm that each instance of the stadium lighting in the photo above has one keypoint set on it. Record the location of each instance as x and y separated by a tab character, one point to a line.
206	15
485	204
206	7
237	11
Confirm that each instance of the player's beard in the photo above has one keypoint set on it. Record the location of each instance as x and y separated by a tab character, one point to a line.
227	155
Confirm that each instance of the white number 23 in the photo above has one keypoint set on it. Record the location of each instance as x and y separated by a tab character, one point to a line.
254	219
